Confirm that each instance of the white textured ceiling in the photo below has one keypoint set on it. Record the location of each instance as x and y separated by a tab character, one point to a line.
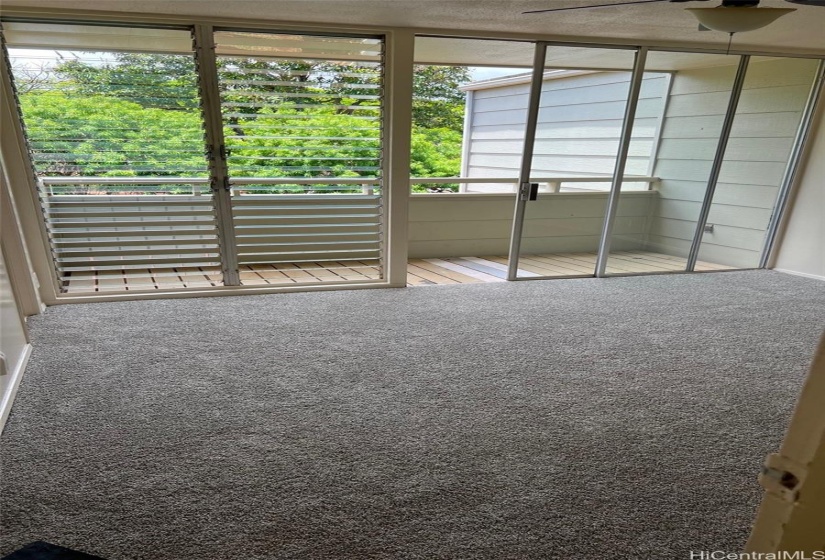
667	23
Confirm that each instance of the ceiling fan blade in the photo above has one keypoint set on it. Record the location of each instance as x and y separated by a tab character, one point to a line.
592	6
703	28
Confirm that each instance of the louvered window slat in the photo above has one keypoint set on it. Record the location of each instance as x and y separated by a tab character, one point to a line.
116	140
304	107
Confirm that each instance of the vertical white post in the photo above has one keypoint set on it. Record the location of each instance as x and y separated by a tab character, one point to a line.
15	254
398	124
657	136
467	138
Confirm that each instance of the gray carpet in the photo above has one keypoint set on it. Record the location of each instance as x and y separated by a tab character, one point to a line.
587	419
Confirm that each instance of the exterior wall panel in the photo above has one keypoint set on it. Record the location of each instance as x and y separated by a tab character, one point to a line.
580	119
479	225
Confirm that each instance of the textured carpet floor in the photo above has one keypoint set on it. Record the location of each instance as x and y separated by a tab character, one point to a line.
587	419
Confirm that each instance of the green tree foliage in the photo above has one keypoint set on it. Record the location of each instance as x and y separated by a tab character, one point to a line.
310	146
98	135
137	115
435	152
437	101
161	81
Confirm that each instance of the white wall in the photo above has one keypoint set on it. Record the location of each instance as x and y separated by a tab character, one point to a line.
769	111
475	225
802	247
578	128
13	343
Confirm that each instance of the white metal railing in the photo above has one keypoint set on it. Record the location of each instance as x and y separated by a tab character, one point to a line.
546	184
199	184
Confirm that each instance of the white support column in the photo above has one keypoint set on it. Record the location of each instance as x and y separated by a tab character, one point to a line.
23	281
397	127
466	139
19	173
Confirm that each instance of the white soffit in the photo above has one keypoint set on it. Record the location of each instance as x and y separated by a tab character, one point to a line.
478	52
473	52
430	50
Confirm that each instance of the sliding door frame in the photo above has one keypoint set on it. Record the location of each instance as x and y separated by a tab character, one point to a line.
523	191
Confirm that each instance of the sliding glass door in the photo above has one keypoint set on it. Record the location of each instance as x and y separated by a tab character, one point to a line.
681	129
756	164
578	101
469	112
693	154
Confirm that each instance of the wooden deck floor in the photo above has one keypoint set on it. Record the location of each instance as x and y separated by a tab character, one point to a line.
468	270
420	272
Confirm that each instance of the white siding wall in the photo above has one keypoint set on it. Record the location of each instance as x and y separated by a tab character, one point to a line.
479	224
761	138
579	124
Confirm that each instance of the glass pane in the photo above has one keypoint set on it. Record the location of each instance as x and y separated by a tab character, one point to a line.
469	109
469	115
675	133
767	117
116	137
302	119
581	110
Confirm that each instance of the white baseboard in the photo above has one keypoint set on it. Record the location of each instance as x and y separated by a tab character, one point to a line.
16	377
803	274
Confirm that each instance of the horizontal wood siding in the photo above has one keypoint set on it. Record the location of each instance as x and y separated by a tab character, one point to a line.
767	118
465	225
579	124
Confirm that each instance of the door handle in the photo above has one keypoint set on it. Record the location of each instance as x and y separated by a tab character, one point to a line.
529	191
